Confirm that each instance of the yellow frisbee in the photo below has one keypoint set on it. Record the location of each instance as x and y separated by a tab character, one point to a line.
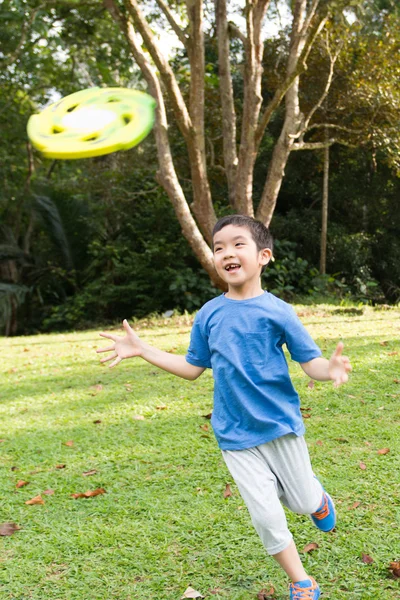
92	122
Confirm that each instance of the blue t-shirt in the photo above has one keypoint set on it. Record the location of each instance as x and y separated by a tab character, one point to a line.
241	341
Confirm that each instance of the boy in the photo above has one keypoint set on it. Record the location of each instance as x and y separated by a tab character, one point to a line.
256	416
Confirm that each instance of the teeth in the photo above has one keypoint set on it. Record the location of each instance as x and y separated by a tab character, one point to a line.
229	267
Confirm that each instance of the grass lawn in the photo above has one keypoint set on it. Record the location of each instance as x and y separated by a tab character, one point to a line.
163	523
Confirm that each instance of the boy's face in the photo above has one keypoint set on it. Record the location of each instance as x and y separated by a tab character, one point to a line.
236	257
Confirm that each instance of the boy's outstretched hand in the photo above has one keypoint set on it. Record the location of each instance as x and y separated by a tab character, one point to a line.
339	366
123	347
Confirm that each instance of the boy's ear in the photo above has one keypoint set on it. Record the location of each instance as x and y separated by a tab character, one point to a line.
265	256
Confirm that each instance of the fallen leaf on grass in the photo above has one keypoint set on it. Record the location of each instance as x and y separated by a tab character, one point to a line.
354	505
191	593
207	416
266	594
204	427
363	466
306	415
21	483
310	547
14	468
89	493
396	380
392	353
311	384
161	407
8	528
394	567
97	421
1	441
49	492
35	500
70	443
383	343
384	451
138	417
319	443
88	473
60	466
228	491
367	559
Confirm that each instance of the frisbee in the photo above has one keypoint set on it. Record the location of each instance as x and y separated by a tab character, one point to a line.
92	122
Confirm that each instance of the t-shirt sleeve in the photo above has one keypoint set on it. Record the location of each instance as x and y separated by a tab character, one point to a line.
299	342
198	353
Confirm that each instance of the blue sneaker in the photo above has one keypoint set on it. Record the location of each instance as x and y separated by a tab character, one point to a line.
325	517
304	590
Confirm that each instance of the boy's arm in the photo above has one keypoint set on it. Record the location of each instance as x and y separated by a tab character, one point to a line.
335	369
131	345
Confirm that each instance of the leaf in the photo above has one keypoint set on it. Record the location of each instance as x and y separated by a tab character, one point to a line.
394	567
21	484
97	421
383	343
207	416
354	505
367	559
89	493
191	593
88	473
384	451
60	466
311	384
363	466
394	381
204	427
8	528
70	443
138	417
310	547
49	492
306	415
35	500
228	491
266	593
319	443
161	407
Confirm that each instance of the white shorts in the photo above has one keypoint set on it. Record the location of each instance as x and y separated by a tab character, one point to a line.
275	472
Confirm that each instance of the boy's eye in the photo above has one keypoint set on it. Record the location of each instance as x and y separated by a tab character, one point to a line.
217	249
240	244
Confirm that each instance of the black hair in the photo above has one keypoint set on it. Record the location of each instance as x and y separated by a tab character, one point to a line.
259	232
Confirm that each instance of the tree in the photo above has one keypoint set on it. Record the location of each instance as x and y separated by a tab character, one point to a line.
258	107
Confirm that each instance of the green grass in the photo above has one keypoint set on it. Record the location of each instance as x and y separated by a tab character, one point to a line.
164	524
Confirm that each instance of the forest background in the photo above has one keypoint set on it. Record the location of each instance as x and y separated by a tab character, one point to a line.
310	86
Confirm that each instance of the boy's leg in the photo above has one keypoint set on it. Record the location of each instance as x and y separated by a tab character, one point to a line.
301	490
258	487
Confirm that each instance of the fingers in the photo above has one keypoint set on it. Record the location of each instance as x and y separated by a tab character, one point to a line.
339	349
110	336
126	326
103	360
108	349
340	380
116	362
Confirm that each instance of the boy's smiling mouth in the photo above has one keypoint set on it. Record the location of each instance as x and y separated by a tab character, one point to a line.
232	267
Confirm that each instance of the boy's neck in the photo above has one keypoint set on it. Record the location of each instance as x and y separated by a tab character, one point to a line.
245	292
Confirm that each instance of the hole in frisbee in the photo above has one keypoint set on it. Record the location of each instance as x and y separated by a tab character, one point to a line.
126	119
88	120
93	138
57	130
113	100
71	108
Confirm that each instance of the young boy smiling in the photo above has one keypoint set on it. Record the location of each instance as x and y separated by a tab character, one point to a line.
256	416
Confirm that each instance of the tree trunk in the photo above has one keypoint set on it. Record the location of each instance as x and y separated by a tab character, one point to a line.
325	199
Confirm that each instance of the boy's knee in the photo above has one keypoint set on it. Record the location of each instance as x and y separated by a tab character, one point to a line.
306	507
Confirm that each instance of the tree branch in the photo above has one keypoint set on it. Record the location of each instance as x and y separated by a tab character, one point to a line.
227	100
235	32
171	20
